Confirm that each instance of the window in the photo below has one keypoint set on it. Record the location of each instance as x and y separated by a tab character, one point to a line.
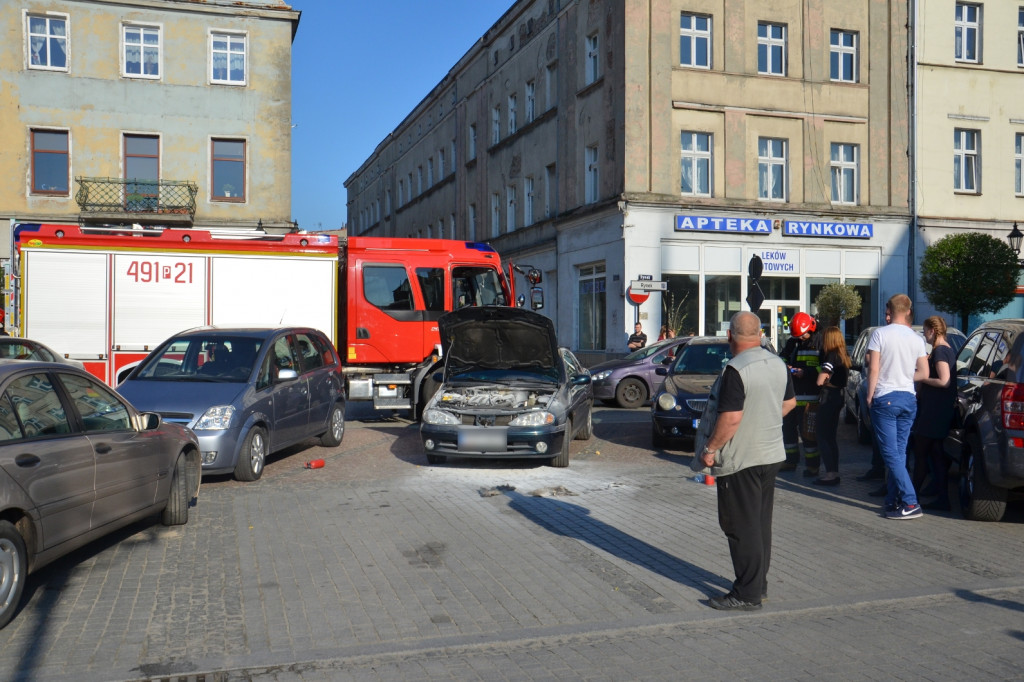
843	56
440	228
387	287
966	170
1018	162
591	175
771	49
471	142
695	176
227	58
37	406
401	192
419	180
512	106
531	101
472	222
591	310
440	164
495	125
771	169
1020	37
228	161
142	172
510	208
430	172
451	226
410	196
387	199
551	86
50	162
495	214
142	46
48	42
967	32
431	281
695	41
453	154
550	189
591	61
96	404
527	201
844	173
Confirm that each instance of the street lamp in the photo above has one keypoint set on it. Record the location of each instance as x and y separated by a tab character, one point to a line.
1015	237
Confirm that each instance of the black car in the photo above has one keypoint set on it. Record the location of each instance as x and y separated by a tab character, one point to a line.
987	438
508	391
678	404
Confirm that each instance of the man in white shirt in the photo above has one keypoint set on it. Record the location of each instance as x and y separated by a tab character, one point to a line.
896	358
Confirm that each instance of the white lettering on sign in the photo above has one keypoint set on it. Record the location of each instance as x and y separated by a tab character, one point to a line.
723	224
795	228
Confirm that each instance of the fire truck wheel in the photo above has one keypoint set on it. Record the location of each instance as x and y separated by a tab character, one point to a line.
253	455
331	438
176	511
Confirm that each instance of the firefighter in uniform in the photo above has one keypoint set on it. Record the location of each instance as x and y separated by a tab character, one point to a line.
802	354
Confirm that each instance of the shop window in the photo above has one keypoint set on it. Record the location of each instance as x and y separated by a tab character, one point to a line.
591	308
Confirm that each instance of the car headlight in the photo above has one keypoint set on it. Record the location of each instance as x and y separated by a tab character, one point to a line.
667	401
535	418
601	376
434	416
216	418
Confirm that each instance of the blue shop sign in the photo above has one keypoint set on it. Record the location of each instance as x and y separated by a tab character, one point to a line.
800	228
705	223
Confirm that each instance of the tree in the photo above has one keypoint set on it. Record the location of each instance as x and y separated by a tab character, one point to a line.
837	302
969	272
672	313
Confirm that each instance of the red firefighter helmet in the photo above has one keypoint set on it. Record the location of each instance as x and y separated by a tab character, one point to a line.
801	324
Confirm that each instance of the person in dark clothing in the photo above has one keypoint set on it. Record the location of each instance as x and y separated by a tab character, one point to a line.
936	401
637	339
802	354
835	369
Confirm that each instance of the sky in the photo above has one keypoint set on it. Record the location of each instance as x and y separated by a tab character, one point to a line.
358	68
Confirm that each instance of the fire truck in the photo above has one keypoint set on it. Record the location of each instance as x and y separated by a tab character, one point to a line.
108	296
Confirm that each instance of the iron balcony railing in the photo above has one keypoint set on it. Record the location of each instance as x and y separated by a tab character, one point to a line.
134	197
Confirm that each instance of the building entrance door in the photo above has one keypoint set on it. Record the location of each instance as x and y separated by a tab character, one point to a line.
775	317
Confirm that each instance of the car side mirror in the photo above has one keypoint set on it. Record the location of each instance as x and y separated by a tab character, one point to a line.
580	380
287	375
150	421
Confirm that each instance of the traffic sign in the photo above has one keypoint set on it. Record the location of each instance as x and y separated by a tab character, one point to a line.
637	297
648	285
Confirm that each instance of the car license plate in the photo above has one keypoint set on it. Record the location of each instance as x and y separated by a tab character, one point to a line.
696	423
483	439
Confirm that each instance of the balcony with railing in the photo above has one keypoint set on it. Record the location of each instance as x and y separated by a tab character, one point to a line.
123	199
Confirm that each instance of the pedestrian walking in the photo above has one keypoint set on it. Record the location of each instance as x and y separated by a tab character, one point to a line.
896	358
739	441
835	369
936	401
802	354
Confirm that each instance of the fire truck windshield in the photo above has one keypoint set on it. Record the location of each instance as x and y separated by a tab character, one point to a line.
477	286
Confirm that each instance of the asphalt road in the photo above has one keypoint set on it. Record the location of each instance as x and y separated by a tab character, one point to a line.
381	567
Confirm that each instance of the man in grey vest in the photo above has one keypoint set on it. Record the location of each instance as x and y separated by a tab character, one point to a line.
739	441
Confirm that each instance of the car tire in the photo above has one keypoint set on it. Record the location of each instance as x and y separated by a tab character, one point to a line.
13	570
331	438
979	499
630	393
436	459
253	455
176	511
587	430
561	460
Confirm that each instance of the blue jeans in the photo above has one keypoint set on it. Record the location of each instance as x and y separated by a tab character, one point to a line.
892	416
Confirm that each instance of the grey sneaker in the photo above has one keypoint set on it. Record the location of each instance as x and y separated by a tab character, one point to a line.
729	602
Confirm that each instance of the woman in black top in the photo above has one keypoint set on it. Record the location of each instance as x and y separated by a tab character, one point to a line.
936	401
835	367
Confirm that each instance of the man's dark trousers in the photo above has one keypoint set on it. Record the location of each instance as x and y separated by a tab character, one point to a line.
746	500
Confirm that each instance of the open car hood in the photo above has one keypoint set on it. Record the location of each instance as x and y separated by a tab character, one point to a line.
497	338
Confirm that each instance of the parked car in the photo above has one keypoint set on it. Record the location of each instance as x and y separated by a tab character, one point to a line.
630	381
76	463
987	438
507	390
678	404
855	395
246	392
15	348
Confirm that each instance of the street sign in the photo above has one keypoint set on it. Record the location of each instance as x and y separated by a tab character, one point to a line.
648	285
637	297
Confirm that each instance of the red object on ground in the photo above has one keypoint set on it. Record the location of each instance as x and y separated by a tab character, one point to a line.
709	480
315	464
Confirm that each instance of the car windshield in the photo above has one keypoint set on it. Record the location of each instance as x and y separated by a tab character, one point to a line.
641	353
217	357
702	358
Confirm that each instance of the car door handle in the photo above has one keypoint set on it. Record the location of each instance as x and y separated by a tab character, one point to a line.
27	460
102	448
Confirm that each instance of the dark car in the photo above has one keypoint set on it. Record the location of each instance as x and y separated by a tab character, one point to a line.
246	392
631	381
678	404
855	393
76	463
507	391
15	348
987	438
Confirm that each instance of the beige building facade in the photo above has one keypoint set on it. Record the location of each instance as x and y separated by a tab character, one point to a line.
616	142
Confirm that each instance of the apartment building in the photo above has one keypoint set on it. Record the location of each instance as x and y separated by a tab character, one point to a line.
609	142
150	112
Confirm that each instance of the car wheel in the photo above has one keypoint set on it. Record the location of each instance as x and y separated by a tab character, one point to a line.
863	432
587	430
630	393
331	438
176	511
562	459
253	455
979	500
436	459
13	570
657	440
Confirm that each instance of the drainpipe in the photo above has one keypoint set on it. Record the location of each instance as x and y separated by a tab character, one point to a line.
912	154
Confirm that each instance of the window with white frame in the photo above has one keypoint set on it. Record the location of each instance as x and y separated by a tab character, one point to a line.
1020	36
843	56
966	169
141	51
592	59
472	222
513	105
695	171
844	165
47	41
510	208
527	201
430	172
591	321
771	169
471	142
1018	163
695	40
495	125
495	214
771	49
551	86
967	32
228	58
591	184
531	101
550	191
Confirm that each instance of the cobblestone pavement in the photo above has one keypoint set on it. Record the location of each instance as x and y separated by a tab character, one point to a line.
380	567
